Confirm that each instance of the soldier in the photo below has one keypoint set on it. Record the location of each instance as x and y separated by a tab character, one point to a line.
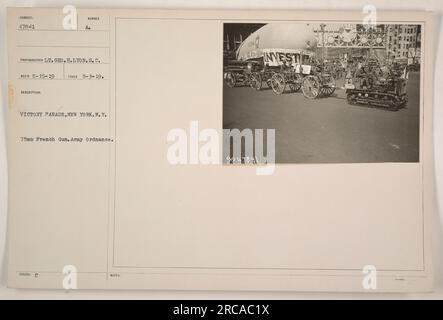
348	77
366	77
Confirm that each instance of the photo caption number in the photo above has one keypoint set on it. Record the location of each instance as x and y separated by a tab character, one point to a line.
237	309
221	310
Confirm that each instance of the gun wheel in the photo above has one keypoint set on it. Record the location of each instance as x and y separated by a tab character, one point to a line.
278	83
230	79
296	84
310	87
327	91
256	81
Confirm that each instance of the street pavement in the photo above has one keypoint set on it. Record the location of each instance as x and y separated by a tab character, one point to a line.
328	130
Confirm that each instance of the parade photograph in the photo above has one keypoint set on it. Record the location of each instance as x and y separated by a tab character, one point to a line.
333	93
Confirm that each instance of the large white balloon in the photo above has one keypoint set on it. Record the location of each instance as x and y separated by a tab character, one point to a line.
278	36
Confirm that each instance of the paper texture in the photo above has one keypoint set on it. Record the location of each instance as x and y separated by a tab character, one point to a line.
95	202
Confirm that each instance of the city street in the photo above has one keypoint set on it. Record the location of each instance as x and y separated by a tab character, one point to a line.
328	130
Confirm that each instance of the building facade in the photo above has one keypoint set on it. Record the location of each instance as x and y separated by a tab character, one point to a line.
403	42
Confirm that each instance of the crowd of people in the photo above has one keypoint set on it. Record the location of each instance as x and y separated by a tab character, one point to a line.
366	71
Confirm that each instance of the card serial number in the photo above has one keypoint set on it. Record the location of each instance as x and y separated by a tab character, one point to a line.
222	309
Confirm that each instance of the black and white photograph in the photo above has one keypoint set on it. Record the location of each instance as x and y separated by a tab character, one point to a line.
333	92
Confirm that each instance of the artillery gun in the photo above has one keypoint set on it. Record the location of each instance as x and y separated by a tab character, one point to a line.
375	89
282	69
335	68
318	83
238	73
